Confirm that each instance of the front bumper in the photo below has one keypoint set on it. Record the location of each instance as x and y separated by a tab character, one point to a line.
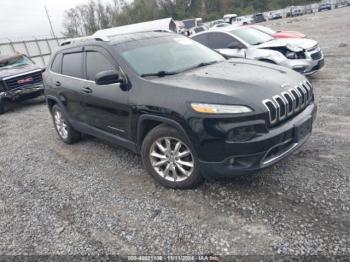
313	62
22	92
278	143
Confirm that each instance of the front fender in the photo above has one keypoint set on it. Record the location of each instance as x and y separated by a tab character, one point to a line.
169	121
265	54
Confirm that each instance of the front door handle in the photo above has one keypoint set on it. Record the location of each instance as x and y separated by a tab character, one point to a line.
87	90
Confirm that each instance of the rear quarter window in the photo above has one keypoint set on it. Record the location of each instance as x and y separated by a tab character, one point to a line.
56	64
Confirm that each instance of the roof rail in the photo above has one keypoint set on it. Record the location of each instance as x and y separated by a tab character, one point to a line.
83	39
167	24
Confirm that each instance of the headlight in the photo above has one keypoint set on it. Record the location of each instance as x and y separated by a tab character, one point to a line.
291	55
220	109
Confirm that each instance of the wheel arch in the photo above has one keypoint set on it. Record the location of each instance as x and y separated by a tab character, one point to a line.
147	122
51	101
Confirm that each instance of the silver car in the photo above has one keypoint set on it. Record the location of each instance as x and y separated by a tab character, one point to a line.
302	55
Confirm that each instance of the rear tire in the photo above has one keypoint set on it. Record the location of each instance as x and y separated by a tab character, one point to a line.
64	129
170	158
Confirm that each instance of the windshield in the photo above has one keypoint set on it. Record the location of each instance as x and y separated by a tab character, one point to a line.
252	36
166	54
266	30
14	62
189	23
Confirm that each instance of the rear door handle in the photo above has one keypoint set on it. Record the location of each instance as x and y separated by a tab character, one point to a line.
57	83
87	90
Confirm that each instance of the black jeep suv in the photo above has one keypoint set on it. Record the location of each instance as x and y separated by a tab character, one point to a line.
189	112
20	79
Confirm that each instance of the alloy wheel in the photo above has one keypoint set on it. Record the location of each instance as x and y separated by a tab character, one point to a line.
172	159
61	125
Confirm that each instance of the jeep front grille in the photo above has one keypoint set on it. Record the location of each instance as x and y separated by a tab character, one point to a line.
28	79
289	103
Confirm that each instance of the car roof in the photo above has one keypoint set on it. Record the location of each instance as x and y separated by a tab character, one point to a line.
123	38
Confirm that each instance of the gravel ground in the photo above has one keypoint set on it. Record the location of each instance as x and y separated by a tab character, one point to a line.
94	198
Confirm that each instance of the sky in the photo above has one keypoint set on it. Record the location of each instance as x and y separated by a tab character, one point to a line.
23	19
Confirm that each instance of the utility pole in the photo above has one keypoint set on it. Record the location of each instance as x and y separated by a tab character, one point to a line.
48	17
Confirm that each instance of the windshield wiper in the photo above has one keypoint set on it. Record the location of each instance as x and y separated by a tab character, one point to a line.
206	64
160	74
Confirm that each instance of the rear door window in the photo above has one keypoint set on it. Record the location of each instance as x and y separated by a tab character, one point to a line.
220	40
202	38
72	65
96	63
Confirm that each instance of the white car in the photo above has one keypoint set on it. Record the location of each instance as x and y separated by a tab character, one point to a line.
301	55
233	19
214	27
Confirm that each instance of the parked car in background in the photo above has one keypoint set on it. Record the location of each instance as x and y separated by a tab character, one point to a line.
324	6
219	26
20	79
293	11
275	15
191	23
301	55
198	29
342	4
244	20
187	111
297	11
278	34
258	18
233	19
230	18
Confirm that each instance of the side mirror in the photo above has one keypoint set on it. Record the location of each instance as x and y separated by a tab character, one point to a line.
107	77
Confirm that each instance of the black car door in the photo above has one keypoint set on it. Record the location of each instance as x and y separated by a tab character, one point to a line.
70	81
105	106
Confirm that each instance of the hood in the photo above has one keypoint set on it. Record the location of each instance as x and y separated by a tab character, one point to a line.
5	72
289	34
239	81
294	44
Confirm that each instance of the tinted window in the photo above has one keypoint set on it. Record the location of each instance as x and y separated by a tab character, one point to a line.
72	65
252	36
56	64
203	39
220	40
95	63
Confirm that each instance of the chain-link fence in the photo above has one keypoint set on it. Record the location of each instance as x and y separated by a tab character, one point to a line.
38	49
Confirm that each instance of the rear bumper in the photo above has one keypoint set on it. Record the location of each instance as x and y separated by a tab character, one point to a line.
282	141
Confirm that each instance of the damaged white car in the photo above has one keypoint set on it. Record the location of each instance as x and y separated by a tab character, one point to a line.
301	55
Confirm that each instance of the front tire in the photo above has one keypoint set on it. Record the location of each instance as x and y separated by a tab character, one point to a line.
170	159
4	106
64	129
